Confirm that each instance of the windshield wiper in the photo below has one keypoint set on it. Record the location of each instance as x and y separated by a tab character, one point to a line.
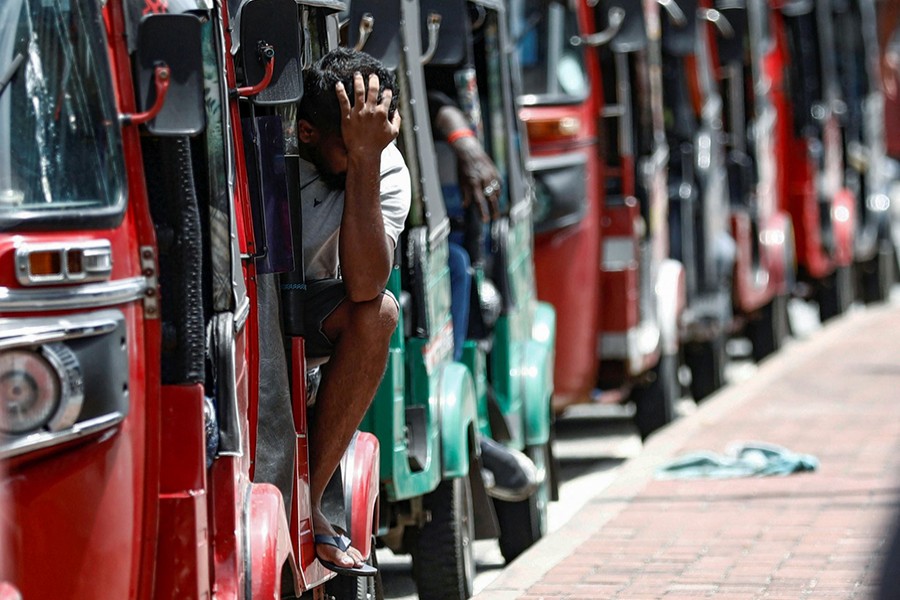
17	62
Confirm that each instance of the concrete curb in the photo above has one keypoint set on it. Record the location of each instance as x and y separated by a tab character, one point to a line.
635	473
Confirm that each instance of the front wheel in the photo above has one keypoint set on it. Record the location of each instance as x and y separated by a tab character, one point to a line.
524	523
443	555
769	333
835	293
877	274
706	361
655	400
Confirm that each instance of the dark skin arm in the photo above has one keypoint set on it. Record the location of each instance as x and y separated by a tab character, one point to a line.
366	251
476	170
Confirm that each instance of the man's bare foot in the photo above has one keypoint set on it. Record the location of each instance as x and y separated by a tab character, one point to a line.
332	552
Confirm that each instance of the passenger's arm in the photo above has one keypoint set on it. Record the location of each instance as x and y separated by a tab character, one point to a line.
366	251
478	177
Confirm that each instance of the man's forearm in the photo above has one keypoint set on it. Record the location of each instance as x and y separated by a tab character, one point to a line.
365	251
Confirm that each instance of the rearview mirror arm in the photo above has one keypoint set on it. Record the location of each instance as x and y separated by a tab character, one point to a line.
161	78
675	12
434	29
266	54
366	25
601	38
717	19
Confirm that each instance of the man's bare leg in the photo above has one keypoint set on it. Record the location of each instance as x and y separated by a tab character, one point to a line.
361	333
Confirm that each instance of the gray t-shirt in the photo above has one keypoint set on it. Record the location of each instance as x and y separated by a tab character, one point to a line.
323	208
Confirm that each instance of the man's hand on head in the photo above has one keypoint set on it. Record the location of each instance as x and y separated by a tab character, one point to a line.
365	126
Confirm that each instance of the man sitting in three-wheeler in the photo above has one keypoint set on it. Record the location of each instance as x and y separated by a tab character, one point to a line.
356	195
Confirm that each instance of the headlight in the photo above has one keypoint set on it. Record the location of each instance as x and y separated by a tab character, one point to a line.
39	389
29	391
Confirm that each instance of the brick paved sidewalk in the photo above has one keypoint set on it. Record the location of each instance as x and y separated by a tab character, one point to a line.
815	535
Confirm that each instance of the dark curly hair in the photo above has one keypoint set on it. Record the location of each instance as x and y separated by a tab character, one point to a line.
319	105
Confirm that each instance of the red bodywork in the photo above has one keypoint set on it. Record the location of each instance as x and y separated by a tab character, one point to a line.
763	238
133	511
580	268
85	513
566	260
802	183
888	20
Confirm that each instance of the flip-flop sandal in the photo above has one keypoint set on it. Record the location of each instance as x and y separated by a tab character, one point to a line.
342	543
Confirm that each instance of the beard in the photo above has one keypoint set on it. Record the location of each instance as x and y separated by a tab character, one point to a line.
333	181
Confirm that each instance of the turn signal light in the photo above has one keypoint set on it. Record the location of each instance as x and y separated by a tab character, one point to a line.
46	263
552	129
75	262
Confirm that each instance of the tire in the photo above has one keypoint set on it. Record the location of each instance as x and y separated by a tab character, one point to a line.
524	523
706	361
347	587
768	333
877	274
655	401
443	554
835	293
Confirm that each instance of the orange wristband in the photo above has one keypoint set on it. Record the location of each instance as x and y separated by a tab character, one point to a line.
458	134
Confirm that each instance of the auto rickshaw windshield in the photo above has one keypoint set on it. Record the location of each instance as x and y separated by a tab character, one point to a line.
60	144
551	67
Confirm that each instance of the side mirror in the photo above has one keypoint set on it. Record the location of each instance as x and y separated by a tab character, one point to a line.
451	45
169	46
560	191
375	29
270	30
679	38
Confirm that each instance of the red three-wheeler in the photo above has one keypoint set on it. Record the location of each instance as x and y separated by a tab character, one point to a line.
698	189
888	26
867	168
808	147
142	365
762	230
592	105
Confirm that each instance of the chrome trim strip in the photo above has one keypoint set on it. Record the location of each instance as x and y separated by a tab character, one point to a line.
241	314
347	470
519	211
45	439
91	295
441	231
545	163
33	331
246	554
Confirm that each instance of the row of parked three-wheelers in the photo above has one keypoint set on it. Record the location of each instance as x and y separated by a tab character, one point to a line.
155	397
687	168
699	163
